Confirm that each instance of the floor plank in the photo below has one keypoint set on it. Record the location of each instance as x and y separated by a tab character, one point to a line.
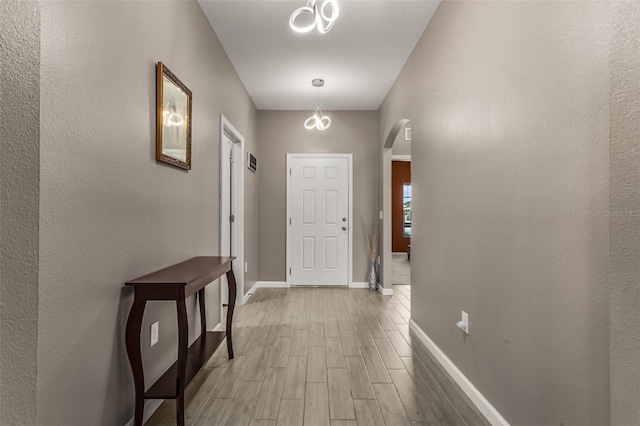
295	377
389	355
368	412
391	407
335	356
300	343
316	405
316	365
213	412
416	406
375	367
291	412
238	412
281	352
316	334
349	343
359	379
340	402
269	397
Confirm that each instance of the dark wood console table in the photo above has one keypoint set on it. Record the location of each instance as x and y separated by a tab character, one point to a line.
178	282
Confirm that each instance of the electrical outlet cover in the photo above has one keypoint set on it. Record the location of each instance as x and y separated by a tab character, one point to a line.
154	332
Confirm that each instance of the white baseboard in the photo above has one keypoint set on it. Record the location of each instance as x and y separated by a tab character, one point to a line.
485	407
218	327
272	284
150	407
263	284
357	284
247	296
385	291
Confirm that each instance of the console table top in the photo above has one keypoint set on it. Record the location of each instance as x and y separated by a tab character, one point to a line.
186	273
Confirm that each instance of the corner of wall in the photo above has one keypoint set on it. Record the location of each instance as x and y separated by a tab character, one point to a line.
19	209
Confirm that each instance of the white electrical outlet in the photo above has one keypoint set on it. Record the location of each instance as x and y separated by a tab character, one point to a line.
154	332
463	324
465	320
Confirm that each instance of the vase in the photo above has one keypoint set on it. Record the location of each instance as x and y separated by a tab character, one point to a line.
373	276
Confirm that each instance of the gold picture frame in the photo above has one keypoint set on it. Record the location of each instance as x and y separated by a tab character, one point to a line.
173	119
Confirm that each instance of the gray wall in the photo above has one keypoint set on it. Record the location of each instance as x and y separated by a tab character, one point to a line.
108	212
624	220
19	211
509	105
282	132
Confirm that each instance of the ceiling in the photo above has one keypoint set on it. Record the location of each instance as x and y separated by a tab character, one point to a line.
359	58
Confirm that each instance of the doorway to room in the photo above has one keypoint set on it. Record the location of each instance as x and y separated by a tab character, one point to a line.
401	219
231	209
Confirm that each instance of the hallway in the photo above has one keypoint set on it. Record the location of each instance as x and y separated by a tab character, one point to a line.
320	356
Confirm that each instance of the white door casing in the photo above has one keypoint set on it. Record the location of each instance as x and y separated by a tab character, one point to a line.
231	208
319	215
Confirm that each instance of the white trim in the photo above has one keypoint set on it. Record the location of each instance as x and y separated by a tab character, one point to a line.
229	131
356	284
401	157
271	284
485	407
349	157
150	407
253	289
218	327
263	284
247	296
385	291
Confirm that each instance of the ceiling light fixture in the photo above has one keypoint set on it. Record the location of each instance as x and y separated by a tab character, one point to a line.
318	120
320	19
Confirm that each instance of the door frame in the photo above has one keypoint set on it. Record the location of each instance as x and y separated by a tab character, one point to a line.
237	167
349	158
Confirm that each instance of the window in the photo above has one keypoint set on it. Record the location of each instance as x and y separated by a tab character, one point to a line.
406	204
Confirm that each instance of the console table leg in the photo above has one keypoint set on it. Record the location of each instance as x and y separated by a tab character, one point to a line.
183	335
132	343
231	282
203	312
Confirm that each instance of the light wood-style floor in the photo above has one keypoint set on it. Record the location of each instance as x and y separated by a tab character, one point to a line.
322	356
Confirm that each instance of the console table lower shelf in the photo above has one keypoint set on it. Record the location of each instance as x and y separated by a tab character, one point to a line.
197	356
178	282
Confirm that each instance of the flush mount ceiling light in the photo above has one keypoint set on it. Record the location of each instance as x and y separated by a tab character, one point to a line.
318	120
319	16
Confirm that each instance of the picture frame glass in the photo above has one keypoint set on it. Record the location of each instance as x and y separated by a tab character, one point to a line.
173	130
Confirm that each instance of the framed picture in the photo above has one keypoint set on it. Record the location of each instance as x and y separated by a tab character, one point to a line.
173	119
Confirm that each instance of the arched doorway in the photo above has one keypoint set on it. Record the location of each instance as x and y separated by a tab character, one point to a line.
399	137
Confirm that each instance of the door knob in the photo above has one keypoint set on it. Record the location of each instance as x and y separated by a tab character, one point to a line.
344	219
344	228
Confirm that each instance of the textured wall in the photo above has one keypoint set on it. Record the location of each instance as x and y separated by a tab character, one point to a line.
282	132
109	212
509	105
624	216
19	183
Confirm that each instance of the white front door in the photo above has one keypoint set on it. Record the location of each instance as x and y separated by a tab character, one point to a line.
319	211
